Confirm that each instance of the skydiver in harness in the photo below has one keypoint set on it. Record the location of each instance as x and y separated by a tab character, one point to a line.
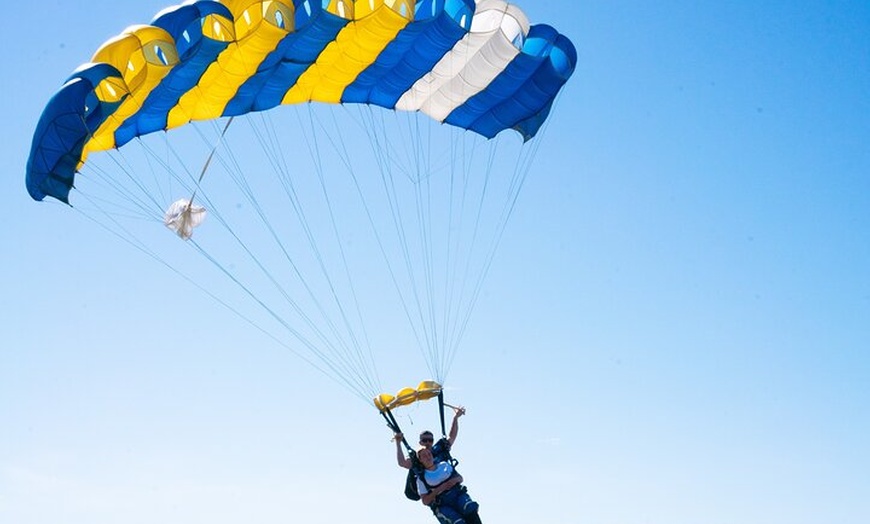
440	451
432	477
440	487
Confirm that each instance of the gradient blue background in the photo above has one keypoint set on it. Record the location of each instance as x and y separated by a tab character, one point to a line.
676	329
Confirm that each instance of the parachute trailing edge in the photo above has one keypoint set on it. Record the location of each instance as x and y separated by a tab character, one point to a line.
479	66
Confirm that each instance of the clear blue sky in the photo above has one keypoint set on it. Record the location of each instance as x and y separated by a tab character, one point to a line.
676	329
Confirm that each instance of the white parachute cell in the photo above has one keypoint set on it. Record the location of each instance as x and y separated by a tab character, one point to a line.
472	64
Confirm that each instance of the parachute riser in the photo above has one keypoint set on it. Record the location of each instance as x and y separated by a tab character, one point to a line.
394	426
441	412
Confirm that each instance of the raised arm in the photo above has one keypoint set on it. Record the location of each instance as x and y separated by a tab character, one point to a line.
454	428
401	459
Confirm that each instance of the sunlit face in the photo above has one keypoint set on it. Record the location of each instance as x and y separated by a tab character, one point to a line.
425	456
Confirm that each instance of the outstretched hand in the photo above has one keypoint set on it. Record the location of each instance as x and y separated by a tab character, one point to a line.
458	411
398	437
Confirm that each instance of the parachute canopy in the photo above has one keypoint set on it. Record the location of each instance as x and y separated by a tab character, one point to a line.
367	222
477	65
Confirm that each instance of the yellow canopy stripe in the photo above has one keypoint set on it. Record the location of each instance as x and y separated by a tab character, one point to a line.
375	24
143	54
259	26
